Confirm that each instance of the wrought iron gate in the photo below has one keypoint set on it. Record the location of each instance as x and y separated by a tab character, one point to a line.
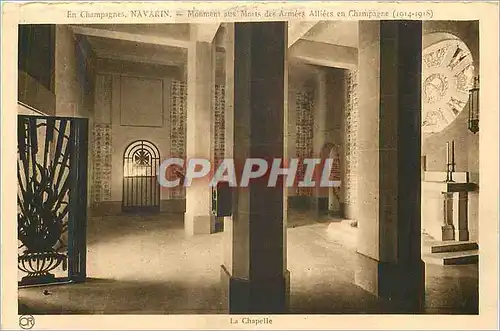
51	199
141	189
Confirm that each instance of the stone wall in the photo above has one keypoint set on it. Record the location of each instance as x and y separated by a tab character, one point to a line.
164	125
351	124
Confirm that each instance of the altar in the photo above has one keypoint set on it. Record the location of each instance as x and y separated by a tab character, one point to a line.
445	205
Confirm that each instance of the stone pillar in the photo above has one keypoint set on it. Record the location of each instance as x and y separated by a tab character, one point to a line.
198	218
67	90
389	139
319	201
228	152
460	215
350	144
257	279
447	230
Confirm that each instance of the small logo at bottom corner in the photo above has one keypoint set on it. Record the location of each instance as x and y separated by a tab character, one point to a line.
26	322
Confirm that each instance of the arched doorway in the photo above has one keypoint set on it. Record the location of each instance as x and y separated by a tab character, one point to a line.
141	189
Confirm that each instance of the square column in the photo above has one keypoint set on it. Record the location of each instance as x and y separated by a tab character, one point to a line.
319	202
256	281
447	229
460	215
198	218
68	93
455	220
228	153
389	143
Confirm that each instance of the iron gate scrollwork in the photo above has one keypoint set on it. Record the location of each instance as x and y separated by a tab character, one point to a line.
51	199
141	189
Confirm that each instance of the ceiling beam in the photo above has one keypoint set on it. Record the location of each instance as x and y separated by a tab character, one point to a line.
297	30
326	55
133	37
205	32
139	58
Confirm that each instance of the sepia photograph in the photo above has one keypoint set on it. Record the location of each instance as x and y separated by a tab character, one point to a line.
308	163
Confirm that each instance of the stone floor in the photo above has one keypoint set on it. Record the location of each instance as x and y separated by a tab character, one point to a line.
145	265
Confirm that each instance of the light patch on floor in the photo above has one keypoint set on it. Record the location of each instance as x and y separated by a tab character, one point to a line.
146	265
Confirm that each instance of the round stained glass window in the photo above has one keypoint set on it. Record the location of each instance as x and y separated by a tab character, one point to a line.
447	76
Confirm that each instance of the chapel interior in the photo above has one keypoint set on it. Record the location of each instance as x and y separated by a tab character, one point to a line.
393	103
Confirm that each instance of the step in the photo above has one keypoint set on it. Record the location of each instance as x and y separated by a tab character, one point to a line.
453	246
431	245
452	258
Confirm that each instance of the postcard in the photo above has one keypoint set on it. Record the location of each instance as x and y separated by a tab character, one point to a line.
250	165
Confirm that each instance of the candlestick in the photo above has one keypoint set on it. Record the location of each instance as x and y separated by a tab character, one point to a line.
452	155
447	154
